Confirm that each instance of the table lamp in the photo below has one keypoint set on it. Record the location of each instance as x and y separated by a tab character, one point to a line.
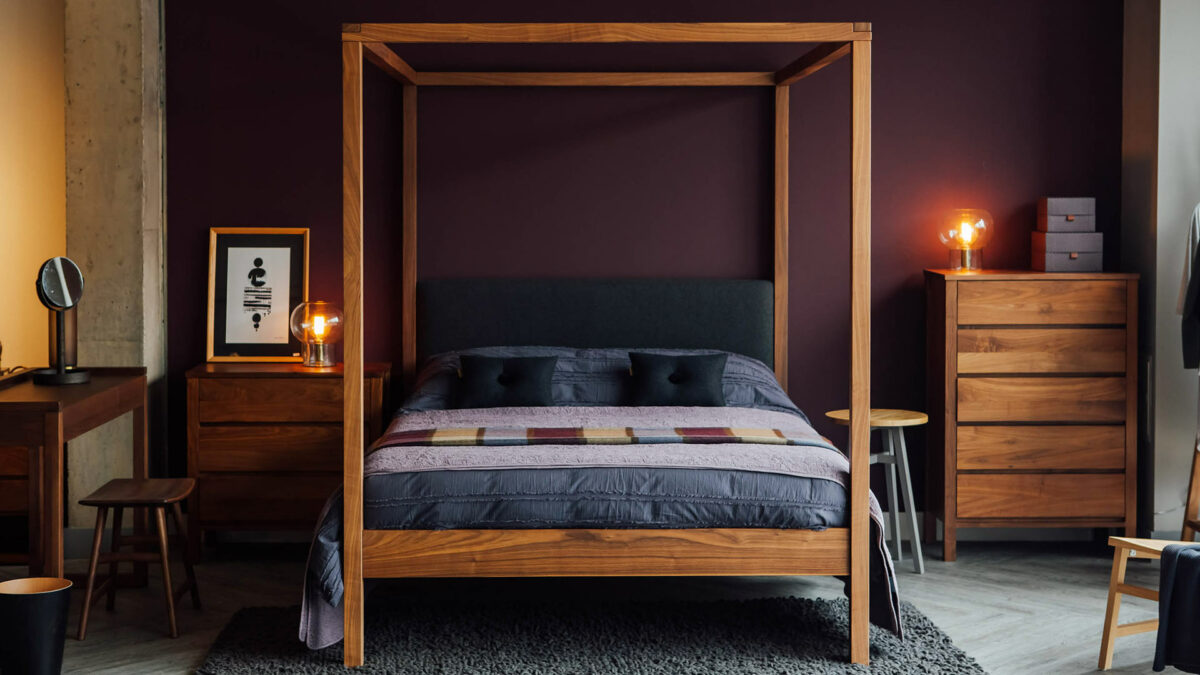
318	326
965	232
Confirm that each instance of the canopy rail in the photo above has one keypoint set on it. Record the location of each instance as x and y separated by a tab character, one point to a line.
835	40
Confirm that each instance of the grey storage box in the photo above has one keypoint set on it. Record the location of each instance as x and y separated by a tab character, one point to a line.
1066	214
1068	251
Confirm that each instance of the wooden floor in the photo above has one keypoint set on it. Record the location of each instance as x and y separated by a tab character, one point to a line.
1017	608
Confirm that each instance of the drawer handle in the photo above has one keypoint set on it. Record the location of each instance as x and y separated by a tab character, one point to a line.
1070	217
1073	256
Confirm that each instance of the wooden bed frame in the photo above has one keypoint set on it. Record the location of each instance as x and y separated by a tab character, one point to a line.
604	552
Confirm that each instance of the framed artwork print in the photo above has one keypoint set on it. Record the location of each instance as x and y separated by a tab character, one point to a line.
256	275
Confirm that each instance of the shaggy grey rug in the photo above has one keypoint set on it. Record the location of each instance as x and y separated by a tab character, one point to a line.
757	637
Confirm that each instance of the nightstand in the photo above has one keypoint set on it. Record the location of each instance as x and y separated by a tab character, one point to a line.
265	442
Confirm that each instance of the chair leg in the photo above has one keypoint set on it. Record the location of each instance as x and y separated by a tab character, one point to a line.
111	601
177	514
893	495
101	512
1111	614
910	503
1191	514
161	521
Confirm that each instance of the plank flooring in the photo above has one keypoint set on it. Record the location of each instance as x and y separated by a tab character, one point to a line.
1018	608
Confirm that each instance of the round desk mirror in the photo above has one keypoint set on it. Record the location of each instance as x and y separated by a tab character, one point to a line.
59	287
59	284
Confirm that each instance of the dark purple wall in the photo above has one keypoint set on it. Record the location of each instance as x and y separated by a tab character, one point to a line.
988	104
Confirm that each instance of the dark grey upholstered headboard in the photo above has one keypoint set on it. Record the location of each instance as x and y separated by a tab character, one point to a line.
731	315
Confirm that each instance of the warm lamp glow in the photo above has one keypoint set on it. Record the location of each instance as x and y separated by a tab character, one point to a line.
318	326
965	232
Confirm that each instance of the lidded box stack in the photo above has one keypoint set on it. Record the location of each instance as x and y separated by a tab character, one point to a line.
1066	239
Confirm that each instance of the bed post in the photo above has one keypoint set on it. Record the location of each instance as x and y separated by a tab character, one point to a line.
782	99
860	347
352	267
408	253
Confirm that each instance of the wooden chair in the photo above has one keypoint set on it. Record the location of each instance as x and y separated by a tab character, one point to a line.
895	455
1124	549
155	494
1191	514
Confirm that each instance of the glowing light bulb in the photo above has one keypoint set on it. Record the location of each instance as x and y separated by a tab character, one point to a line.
965	232
318	326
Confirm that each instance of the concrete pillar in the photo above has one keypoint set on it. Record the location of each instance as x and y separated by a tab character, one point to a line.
115	221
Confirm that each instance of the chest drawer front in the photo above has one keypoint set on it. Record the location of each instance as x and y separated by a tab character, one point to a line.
270	400
1041	399
14	461
1041	302
295	447
1041	447
1041	350
1033	495
277	501
14	496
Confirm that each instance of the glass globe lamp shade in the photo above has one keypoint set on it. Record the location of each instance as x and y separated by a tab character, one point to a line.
318	326
965	232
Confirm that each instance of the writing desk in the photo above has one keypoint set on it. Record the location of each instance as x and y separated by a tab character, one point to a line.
43	418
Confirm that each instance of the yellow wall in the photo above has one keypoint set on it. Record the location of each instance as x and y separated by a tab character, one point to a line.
32	169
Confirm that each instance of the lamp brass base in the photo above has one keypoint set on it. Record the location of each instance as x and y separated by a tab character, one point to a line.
318	355
966	259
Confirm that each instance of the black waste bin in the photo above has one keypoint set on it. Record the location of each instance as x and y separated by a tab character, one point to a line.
33	613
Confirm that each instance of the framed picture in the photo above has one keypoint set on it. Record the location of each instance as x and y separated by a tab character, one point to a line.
256	276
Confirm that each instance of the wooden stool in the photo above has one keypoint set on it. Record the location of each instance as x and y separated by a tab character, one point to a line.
155	494
1124	549
1191	514
895	454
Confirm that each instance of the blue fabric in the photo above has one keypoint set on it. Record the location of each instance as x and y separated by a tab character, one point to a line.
599	377
1179	609
734	315
625	497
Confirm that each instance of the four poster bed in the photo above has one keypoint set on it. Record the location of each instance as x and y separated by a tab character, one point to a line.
740	318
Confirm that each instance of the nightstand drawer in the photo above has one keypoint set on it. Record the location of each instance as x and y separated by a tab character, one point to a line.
296	447
1041	302
1032	495
1041	350
1041	399
14	496
14	461
270	400
264	501
1041	447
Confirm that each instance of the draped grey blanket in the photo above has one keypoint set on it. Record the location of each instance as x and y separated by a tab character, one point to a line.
321	621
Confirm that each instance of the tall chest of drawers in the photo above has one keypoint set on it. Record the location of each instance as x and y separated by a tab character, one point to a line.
265	442
1032	385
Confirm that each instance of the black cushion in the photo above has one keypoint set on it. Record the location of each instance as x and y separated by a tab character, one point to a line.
662	379
489	382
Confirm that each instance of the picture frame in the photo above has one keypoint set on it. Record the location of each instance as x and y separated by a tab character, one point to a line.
256	276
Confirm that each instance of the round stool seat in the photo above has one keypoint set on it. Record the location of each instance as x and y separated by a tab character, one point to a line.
883	417
140	492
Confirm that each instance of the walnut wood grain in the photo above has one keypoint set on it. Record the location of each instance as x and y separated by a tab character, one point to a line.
263	502
408	240
581	79
1032	495
14	461
1041	302
270	448
387	60
860	347
352	297
781	235
1131	406
1041	350
604	32
1072	447
14	495
816	59
600	553
1041	399
271	400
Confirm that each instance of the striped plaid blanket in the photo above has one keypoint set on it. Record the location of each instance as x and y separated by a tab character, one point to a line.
586	436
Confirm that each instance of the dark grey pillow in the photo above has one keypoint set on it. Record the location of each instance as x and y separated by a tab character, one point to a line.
669	379
491	382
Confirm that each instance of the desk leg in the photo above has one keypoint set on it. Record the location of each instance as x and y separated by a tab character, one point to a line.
52	496
141	470
36	537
